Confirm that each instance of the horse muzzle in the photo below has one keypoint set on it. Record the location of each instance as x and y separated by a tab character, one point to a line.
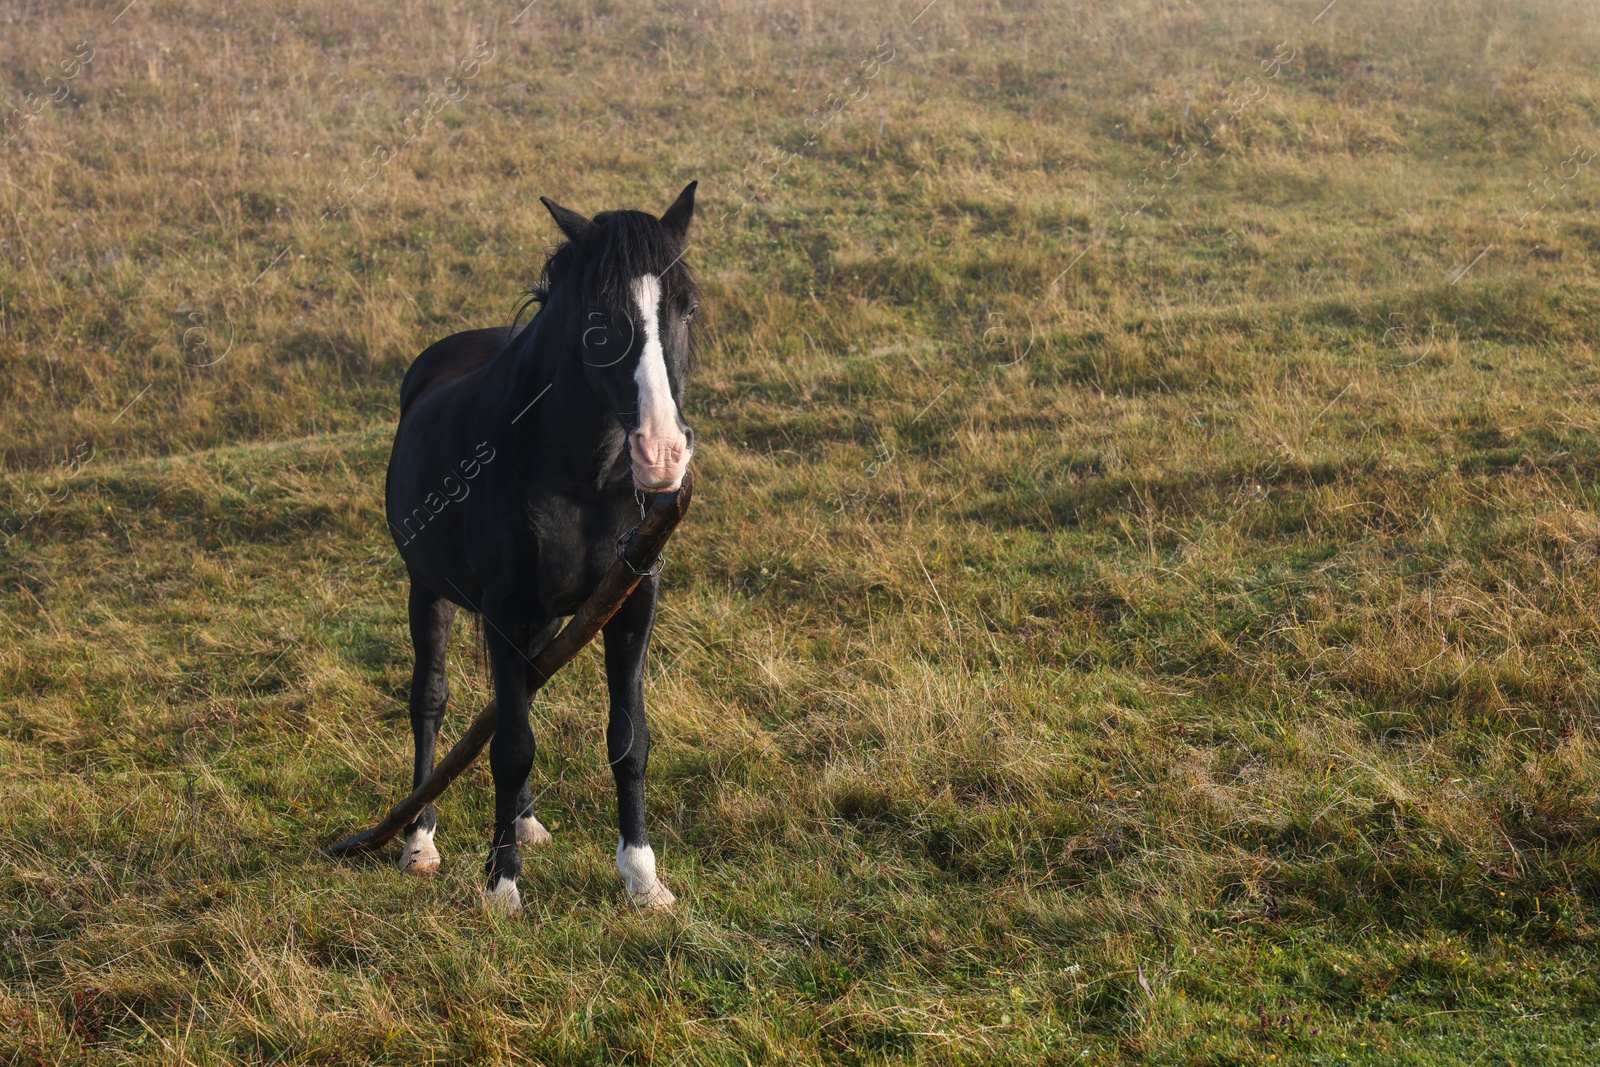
659	457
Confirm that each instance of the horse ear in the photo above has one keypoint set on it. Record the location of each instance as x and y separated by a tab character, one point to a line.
572	224
676	220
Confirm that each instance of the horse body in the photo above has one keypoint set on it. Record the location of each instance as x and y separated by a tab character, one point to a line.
518	462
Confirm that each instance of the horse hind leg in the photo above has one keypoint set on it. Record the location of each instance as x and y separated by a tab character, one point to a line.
530	831
431	616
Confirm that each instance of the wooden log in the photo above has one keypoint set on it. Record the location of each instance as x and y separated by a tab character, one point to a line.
637	559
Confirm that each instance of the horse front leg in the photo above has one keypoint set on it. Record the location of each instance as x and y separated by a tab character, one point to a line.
627	638
510	760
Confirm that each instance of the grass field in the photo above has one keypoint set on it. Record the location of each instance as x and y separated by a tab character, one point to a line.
1141	603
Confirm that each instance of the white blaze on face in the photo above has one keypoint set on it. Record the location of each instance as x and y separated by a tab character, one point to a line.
659	448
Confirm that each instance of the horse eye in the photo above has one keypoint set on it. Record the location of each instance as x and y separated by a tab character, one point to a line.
688	315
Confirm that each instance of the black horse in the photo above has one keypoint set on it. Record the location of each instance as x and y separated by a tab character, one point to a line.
520	458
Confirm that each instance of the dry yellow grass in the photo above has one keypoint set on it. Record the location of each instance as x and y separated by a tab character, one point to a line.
1140	603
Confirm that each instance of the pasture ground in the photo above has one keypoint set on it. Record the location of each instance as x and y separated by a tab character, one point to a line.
1140	604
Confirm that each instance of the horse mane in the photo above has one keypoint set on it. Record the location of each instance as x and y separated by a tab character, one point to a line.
617	248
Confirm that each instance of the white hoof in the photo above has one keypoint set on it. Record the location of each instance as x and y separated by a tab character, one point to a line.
503	898
638	869
656	898
531	831
419	857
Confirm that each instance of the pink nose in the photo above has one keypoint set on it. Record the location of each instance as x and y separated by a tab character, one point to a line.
660	456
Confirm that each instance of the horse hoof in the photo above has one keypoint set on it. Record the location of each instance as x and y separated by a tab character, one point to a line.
531	831
503	899
419	857
637	865
653	900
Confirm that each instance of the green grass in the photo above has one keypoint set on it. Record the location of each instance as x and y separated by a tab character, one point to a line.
1104	634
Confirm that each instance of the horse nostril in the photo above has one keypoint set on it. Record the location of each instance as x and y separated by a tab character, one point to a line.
688	439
